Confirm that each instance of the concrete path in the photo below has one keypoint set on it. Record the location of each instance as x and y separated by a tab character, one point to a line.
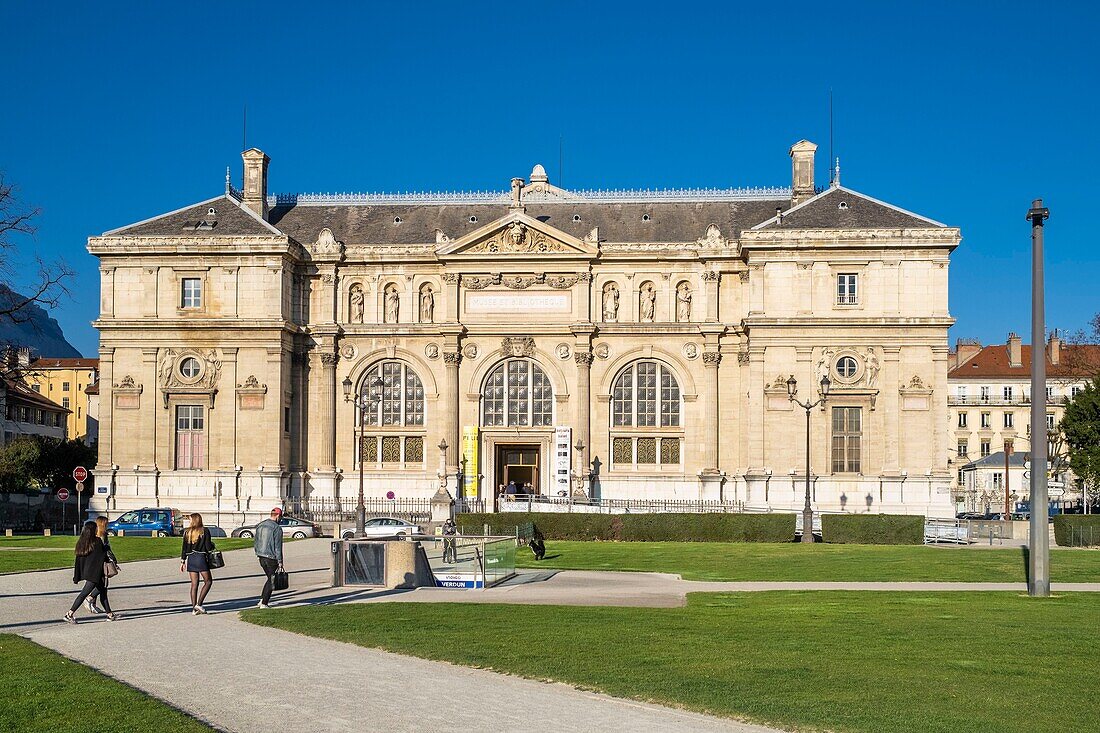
240	677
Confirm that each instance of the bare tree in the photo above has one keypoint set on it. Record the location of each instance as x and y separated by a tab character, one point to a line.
49	286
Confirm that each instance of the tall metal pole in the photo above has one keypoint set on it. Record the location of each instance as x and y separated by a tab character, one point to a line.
1008	452
361	510
807	512
1038	583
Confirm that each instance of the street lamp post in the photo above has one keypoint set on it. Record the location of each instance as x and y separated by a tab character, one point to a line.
362	403
792	395
1039	551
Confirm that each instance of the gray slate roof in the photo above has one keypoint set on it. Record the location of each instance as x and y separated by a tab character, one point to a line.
231	220
843	208
997	460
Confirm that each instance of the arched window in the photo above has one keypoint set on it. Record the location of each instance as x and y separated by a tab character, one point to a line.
643	393
646	430
402	400
517	393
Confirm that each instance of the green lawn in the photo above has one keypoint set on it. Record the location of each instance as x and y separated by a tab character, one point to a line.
792	561
44	691
40	553
842	661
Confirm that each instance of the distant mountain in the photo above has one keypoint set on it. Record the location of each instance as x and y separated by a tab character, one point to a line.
37	330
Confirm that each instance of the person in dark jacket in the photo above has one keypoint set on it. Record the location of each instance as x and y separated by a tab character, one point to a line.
101	533
269	551
450	545
90	556
196	543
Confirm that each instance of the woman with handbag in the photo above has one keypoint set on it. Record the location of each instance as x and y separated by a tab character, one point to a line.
195	557
91	556
110	567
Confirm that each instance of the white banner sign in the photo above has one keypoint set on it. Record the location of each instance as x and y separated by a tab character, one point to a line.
563	459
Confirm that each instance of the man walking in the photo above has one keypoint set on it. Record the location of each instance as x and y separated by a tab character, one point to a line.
269	549
450	550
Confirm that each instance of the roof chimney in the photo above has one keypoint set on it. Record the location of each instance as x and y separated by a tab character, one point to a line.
1054	348
802	171
1015	351
255	181
966	349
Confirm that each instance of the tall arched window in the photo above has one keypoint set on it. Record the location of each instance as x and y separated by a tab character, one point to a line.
517	393
394	431
646	427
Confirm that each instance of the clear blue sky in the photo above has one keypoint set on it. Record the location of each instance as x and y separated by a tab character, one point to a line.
962	112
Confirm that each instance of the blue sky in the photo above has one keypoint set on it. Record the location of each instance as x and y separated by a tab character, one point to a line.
962	112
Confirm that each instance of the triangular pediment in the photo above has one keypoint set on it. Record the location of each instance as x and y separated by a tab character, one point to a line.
518	235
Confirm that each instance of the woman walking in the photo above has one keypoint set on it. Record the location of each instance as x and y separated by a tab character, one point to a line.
196	543
90	557
101	533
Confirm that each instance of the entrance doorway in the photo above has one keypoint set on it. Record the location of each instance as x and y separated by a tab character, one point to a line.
519	464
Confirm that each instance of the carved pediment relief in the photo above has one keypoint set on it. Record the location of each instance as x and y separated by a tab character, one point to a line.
518	235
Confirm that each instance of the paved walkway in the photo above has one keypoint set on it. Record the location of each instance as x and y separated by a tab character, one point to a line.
241	677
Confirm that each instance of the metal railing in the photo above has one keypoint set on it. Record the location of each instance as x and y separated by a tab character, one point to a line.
539	503
954	531
344	508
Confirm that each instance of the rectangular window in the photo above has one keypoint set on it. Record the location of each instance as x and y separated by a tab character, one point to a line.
1050	392
38	387
1050	421
191	292
64	386
190	437
1008	394
985	394
1074	391
1008	420
960	477
985	423
65	402
846	289
998	481
647	450
962	419
847	437
286	419
962	448
670	451
985	448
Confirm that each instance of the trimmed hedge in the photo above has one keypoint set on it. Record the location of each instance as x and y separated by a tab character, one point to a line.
1077	530
873	529
641	527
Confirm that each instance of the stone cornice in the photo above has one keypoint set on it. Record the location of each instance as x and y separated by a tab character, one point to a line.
781	238
194	245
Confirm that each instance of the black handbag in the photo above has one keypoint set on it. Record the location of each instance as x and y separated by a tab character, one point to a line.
280	581
214	559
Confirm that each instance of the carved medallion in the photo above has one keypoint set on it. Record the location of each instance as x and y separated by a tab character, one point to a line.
431	351
603	351
348	351
470	351
562	351
691	351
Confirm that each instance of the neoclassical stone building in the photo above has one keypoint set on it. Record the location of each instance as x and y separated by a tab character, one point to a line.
624	344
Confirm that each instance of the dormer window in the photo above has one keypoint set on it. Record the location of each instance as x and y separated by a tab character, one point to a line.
473	220
397	220
576	217
645	217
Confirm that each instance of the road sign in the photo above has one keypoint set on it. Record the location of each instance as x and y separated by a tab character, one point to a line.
1027	475
80	487
1056	484
62	494
80	474
1055	492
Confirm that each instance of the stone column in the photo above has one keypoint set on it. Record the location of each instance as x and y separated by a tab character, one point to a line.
450	300
584	408
451	427
326	410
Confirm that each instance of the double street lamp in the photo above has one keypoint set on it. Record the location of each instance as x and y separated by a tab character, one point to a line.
364	402
792	395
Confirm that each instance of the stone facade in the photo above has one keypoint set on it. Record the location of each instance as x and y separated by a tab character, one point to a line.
620	344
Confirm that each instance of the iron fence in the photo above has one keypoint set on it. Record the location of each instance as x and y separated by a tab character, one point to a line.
345	508
539	503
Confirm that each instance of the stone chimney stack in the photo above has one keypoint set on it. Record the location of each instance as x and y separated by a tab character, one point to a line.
1015	350
255	180
966	349
1054	348
802	171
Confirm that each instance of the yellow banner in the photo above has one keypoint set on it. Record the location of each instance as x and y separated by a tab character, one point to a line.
469	456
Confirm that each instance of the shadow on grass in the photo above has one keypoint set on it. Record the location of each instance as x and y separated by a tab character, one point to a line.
1026	552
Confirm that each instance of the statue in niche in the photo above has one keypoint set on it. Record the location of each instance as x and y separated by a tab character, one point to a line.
356	303
427	304
393	304
610	302
649	302
872	368
683	302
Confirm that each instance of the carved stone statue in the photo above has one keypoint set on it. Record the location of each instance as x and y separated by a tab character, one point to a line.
649	302
427	304
683	302
824	366
610	302
872	367
356	304
393	304
167	364
517	231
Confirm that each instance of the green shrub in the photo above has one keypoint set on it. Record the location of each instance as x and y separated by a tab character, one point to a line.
1077	530
641	527
873	529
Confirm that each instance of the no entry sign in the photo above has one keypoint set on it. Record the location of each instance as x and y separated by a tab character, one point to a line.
80	474
62	494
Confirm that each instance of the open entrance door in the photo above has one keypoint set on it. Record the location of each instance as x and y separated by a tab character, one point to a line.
519	464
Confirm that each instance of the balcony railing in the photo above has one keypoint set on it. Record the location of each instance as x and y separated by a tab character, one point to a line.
957	400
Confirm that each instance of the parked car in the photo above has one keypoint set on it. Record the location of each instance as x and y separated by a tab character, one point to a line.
379	527
152	521
293	527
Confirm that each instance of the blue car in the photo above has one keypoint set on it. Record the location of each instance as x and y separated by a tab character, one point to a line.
151	522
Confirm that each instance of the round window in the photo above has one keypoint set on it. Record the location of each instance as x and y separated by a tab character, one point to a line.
190	367
846	367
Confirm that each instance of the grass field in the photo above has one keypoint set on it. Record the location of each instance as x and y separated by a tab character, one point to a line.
761	561
45	692
842	661
20	554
